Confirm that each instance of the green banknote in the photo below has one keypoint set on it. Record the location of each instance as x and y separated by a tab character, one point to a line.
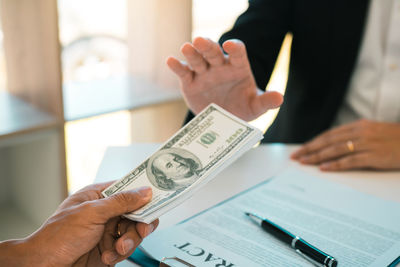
189	159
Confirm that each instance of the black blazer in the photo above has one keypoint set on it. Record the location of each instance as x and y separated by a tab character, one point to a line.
326	41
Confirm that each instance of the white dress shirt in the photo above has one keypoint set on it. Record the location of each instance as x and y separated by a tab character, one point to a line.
374	89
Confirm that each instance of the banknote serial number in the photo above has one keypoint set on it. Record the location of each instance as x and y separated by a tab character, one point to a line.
234	135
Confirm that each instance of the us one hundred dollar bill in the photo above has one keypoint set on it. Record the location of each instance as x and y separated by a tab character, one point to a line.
188	160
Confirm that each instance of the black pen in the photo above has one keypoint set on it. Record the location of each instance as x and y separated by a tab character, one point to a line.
308	251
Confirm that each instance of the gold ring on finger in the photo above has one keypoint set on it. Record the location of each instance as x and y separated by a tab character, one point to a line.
118	231
350	146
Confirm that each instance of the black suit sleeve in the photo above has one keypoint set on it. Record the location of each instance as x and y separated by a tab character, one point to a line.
262	28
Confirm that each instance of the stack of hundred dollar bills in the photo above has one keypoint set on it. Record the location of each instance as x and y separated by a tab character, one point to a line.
188	160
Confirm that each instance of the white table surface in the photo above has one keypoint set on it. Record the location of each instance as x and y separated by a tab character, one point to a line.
254	167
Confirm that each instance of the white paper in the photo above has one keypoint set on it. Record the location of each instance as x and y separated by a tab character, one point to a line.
355	228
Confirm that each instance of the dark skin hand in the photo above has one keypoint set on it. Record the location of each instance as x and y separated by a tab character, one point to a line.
82	231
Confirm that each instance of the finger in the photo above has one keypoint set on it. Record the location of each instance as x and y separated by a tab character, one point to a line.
117	249
128	241
237	53
125	245
181	69
262	103
145	229
352	161
114	227
121	203
330	152
109	257
194	58
210	50
106	244
92	259
109	234
324	140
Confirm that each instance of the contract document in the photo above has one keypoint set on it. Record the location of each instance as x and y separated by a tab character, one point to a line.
355	228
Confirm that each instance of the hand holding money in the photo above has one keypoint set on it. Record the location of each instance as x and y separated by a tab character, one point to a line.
188	160
85	230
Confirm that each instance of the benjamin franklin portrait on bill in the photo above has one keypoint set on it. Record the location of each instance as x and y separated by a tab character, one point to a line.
173	168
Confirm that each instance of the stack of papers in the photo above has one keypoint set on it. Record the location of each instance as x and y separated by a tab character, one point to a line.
355	228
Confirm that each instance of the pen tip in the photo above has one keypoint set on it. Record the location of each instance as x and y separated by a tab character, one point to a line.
247	213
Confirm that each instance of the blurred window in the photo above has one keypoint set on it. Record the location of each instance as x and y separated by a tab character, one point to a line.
86	143
3	73
211	18
93	36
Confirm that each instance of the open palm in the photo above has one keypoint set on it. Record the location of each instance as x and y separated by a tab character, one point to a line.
210	76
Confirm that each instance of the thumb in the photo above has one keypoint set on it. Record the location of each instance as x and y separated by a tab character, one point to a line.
123	202
268	100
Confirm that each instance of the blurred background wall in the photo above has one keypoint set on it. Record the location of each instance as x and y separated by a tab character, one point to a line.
77	76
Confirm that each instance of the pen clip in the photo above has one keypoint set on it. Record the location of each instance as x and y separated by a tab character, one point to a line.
309	259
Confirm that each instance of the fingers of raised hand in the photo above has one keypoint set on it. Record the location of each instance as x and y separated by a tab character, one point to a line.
195	60
210	50
237	53
181	69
